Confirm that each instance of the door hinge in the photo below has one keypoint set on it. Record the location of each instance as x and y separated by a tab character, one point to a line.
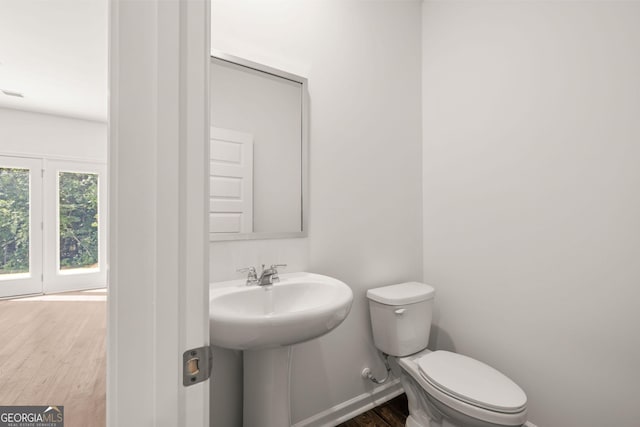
196	365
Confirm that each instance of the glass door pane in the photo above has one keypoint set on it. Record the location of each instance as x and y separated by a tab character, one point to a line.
14	222
78	219
20	226
75	200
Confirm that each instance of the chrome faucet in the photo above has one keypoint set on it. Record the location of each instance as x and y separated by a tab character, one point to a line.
269	276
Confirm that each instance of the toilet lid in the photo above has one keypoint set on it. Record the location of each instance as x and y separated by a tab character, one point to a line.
471	381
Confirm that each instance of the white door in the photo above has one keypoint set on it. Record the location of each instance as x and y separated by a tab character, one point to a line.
20	226
75	226
231	181
158	305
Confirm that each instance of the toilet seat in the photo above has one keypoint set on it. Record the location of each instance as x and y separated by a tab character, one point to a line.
475	383
411	373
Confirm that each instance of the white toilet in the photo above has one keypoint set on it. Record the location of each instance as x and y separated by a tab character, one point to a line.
444	389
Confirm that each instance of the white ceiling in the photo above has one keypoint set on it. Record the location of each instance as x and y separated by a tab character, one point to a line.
55	53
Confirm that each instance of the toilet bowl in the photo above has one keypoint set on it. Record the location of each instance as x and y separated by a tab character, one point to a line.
444	389
462	390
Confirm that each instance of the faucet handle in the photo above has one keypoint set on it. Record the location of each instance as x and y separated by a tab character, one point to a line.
252	277
274	269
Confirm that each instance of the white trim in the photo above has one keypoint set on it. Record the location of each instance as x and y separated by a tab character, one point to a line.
14	276
82	286
158	245
52	114
193	288
359	405
113	333
279	72
221	237
353	407
19	154
267	60
64	298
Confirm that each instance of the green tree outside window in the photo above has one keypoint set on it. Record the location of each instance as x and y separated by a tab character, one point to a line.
14	220
78	220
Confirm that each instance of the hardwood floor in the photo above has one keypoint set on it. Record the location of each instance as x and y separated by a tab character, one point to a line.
53	352
391	414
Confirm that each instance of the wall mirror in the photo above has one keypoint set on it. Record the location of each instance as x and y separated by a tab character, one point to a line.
258	166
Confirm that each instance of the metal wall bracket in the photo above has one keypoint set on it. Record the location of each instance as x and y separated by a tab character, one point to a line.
196	365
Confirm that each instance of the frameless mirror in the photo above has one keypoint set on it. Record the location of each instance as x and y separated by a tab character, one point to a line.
258	151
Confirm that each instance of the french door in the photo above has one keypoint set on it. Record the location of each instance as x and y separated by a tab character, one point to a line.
20	226
52	226
74	226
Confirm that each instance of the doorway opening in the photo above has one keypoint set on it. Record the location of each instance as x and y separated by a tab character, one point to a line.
53	207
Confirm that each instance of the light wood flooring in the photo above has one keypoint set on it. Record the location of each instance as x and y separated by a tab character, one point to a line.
53	352
394	413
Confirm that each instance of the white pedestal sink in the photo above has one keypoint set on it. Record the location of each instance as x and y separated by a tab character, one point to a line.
265	321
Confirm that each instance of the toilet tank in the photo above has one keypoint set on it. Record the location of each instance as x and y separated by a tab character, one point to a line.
401	317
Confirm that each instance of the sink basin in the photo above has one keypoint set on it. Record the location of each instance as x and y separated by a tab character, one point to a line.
301	307
265	321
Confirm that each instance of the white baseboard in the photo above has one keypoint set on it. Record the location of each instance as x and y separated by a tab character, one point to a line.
51	289
358	405
354	407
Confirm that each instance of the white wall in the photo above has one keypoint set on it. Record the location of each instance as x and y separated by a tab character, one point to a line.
45	135
531	207
363	64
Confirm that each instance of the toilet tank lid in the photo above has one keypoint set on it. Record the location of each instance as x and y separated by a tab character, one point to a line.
402	293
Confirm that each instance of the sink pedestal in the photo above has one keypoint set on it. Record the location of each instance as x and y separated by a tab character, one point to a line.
266	387
264	322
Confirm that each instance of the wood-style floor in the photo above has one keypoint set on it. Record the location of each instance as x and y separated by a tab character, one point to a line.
53	352
394	413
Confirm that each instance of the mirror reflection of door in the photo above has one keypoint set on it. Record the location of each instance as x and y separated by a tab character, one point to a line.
231	181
